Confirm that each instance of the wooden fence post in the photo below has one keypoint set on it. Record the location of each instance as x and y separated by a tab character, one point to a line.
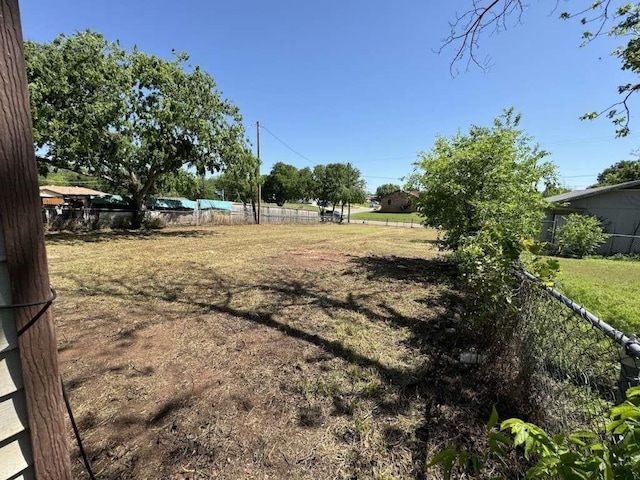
26	278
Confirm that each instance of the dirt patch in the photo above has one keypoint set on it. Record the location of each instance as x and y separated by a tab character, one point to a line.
190	355
306	259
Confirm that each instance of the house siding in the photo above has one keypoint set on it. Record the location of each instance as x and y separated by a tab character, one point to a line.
619	212
398	202
15	448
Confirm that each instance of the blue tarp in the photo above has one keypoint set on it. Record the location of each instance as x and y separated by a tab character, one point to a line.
206	204
171	203
179	203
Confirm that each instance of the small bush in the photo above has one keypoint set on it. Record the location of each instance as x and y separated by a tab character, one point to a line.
580	236
589	454
153	223
621	257
67	225
121	223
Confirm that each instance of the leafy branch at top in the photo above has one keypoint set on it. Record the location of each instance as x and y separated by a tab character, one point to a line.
622	21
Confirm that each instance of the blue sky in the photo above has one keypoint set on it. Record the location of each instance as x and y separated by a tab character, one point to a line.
355	81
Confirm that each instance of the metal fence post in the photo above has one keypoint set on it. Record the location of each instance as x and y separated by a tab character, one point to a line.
629	373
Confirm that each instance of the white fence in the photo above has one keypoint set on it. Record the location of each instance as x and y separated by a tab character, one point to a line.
61	217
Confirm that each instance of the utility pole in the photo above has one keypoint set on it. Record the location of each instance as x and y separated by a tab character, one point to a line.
349	190
33	437
258	173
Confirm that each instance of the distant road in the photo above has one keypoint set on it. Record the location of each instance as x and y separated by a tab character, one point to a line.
384	223
359	210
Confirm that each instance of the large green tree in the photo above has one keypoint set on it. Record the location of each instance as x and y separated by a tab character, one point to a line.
127	117
623	171
618	19
337	184
328	186
487	175
282	184
307	184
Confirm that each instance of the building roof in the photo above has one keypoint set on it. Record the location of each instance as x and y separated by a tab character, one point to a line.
413	193
590	192
52	200
72	191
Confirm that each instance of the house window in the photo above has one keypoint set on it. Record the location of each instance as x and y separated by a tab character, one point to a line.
389	202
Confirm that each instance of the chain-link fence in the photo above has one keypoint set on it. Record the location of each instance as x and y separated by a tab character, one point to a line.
570	366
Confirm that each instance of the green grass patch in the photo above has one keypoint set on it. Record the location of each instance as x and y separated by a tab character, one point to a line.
391	217
609	289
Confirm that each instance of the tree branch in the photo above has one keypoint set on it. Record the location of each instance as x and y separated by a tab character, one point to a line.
72	168
468	28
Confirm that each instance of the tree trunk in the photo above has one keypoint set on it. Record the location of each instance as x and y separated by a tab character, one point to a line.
140	211
255	211
24	279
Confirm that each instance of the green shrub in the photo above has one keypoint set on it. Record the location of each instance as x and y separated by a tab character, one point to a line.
621	257
579	236
487	262
153	223
584	454
68	225
121	223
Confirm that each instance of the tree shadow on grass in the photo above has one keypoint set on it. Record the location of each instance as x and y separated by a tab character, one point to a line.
425	241
408	269
455	396
72	238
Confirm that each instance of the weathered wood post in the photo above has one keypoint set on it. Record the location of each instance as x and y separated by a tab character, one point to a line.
33	439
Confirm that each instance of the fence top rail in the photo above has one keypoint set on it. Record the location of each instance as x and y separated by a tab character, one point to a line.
632	347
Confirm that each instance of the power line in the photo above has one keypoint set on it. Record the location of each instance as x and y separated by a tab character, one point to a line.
314	163
579	176
388	159
382	178
287	145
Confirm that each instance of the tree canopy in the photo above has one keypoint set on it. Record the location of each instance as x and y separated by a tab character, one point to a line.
352	185
239	181
386	189
127	117
599	18
338	184
488	175
282	184
623	171
180	184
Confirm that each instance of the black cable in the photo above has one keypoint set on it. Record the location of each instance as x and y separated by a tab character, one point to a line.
49	301
37	315
76	432
287	145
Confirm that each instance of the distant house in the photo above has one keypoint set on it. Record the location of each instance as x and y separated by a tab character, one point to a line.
66	202
77	197
399	201
617	207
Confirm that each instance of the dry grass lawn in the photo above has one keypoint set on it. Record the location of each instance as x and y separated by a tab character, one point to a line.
297	352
